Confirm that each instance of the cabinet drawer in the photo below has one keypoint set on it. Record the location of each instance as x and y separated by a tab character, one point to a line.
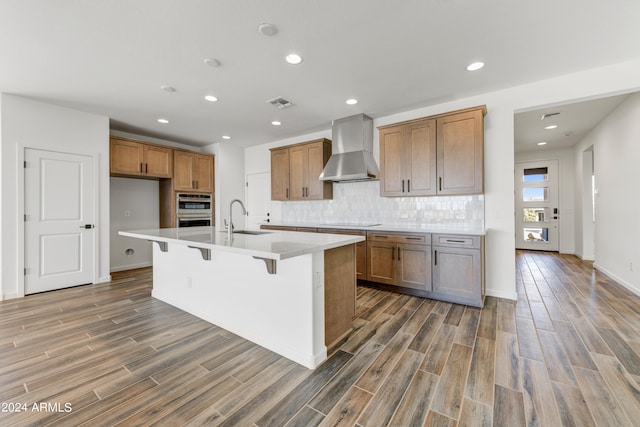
456	241
417	239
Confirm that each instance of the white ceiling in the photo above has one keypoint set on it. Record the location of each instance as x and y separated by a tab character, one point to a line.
111	57
573	121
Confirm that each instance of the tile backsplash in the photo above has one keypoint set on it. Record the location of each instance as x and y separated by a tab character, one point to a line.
361	202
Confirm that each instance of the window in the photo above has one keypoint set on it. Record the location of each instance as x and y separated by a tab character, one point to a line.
535	214
535	194
536	174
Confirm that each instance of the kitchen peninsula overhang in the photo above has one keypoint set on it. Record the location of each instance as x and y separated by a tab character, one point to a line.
301	304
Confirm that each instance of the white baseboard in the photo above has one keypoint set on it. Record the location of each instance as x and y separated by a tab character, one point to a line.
497	294
8	296
130	267
618	280
104	279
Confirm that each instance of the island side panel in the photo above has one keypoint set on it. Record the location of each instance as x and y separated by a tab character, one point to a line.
340	293
283	312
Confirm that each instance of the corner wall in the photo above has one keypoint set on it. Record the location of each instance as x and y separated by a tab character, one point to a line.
617	228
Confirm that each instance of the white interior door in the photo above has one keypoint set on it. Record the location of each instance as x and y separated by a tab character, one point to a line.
59	218
537	205
258	200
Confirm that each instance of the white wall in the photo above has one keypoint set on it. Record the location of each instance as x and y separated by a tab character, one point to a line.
134	206
35	124
617	227
566	201
499	153
229	182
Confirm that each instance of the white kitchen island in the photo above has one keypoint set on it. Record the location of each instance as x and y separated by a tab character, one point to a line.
290	292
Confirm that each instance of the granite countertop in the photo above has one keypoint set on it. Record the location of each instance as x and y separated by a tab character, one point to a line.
277	245
407	228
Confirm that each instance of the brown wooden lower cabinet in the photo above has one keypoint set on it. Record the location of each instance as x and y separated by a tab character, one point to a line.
401	260
458	268
437	266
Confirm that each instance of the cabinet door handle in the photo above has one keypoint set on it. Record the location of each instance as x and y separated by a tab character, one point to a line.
440	183
455	241
378	236
393	252
399	254
197	184
403	185
413	238
287	195
140	167
435	257
408	186
146	168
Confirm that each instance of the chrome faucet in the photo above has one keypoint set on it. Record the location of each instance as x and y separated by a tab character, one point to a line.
230	225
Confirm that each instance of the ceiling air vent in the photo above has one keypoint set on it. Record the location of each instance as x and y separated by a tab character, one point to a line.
549	115
280	102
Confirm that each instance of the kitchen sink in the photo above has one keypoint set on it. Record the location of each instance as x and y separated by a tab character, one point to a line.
250	232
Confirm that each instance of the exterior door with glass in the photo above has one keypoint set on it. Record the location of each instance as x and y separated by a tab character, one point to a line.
537	205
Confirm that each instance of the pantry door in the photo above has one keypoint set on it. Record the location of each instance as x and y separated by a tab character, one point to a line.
536	207
59	220
258	198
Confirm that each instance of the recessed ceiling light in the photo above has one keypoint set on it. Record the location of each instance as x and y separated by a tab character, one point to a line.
267	29
163	121
210	98
276	123
551	127
212	62
475	66
293	58
167	88
351	101
542	143
226	137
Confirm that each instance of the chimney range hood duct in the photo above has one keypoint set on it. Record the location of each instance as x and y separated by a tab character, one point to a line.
351	151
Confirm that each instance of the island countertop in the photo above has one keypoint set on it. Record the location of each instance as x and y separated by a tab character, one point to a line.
276	245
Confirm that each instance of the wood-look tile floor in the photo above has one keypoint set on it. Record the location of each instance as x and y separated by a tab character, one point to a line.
567	353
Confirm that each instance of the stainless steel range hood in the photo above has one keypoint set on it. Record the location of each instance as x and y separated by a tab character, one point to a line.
351	151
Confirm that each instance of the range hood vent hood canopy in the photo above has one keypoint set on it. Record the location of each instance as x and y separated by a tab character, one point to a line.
351	151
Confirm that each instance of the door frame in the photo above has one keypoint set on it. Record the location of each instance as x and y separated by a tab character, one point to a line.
20	234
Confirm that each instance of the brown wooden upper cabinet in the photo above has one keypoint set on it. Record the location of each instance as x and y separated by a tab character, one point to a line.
280	174
134	158
437	155
408	159
192	172
295	170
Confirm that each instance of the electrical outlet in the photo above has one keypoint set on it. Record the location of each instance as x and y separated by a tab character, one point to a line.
404	215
